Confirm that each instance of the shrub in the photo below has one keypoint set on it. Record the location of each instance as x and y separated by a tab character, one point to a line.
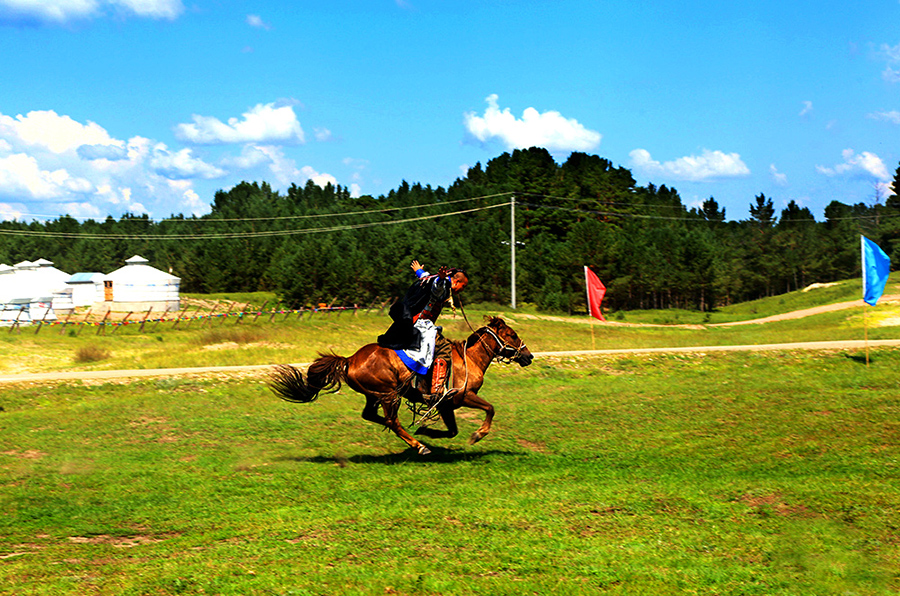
91	354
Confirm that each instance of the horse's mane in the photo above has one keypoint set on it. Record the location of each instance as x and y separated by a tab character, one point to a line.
493	322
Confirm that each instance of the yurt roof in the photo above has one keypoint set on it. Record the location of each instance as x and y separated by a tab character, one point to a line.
84	278
137	271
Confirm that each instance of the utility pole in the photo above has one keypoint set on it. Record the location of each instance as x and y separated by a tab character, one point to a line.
512	248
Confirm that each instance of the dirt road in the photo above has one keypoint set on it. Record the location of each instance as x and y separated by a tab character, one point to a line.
259	370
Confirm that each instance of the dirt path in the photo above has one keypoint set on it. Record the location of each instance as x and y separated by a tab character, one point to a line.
260	370
797	314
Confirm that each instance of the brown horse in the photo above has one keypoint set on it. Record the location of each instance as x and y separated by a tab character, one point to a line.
380	375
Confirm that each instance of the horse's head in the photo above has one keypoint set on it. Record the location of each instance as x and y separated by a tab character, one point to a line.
509	345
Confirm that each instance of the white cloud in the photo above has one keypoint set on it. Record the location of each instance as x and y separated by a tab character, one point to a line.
320	180
864	163
10	212
807	108
64	11
50	163
709	164
179	165
777	177
263	123
53	162
281	167
535	129
22	176
891	55
83	209
893	116
322	134
254	20
154	9
47	129
355	191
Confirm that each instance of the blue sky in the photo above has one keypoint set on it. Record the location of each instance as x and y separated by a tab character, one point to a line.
109	106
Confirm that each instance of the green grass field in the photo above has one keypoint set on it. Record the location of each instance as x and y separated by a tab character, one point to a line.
744	473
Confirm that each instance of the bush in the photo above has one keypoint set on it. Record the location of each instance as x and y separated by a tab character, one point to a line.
91	354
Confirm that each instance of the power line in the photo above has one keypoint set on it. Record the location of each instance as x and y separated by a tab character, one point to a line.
232	235
204	219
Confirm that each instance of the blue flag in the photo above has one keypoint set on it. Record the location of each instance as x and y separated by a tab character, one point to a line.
875	269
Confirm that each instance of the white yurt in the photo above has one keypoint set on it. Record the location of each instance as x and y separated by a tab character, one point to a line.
27	290
38	279
87	288
138	287
6	282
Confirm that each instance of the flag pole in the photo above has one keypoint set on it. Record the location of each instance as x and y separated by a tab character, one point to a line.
866	326
587	291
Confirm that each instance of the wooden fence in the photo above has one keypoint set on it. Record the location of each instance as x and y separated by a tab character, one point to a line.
149	322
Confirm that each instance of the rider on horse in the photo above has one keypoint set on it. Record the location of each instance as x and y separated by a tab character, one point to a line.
414	316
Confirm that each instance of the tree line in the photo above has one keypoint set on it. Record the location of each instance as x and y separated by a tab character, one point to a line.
312	244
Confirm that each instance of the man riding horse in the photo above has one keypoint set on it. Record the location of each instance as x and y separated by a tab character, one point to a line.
414	335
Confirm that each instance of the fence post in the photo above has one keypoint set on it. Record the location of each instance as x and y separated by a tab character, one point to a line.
369	308
259	312
274	312
81	326
102	326
383	304
66	322
328	308
161	319
209	316
225	316
41	322
189	319
146	316
178	319
15	324
122	322
242	313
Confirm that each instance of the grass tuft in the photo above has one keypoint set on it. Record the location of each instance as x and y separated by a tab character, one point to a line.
91	353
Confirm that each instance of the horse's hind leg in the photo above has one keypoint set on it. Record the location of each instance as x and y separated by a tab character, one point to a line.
370	411
390	420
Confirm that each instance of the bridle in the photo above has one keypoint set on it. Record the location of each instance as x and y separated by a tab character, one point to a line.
503	346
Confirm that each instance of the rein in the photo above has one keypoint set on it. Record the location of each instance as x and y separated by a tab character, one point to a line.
502	345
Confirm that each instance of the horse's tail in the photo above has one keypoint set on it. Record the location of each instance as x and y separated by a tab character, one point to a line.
326	373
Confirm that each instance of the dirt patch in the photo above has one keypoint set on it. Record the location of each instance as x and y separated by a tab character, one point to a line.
532	446
117	541
30	454
773	505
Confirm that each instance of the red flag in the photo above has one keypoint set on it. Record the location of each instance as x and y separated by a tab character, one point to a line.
595	292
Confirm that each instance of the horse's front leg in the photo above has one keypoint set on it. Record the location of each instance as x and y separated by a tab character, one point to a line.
449	417
472	400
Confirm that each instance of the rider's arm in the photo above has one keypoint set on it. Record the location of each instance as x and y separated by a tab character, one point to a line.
417	267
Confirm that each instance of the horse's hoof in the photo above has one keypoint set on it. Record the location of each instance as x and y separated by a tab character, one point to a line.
476	436
423	450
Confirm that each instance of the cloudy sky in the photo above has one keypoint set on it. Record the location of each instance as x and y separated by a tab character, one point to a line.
150	106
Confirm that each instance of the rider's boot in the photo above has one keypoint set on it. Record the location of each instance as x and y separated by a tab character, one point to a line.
439	373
